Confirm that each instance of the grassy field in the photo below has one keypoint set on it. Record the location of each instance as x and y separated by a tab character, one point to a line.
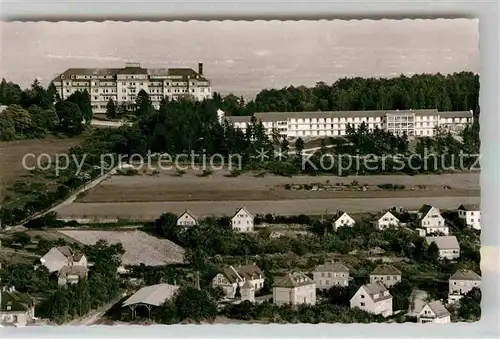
167	187
139	247
12	153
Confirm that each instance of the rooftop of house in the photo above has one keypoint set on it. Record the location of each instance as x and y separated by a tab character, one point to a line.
154	295
294	279
332	266
425	209
438	309
70	253
189	213
382	213
465	275
469	207
444	242
14	301
376	291
247	285
245	272
242	209
385	270
80	271
284	116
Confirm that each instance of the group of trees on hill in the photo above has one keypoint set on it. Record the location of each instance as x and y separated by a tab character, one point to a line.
36	111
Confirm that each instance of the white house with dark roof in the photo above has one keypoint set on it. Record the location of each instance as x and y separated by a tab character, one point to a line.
448	246
461	283
242	221
187	219
373	298
16	309
58	257
294	288
431	221
388	275
471	214
387	219
333	273
434	312
231	277
343	219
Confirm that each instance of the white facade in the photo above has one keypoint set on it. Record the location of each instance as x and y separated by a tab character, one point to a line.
344	220
462	282
242	221
294	288
434	312
415	123
432	221
471	216
186	219
54	259
123	84
373	298
448	246
331	274
387	220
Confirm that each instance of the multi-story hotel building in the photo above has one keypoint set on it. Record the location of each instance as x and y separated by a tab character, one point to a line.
123	84
415	123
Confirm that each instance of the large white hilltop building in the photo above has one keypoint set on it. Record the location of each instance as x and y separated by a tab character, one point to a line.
416	123
123	84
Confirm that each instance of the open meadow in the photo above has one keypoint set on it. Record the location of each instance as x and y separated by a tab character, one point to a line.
12	153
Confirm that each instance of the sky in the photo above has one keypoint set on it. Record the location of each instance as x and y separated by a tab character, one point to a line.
242	57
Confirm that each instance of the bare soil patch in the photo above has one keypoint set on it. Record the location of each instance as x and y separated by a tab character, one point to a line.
139	246
167	186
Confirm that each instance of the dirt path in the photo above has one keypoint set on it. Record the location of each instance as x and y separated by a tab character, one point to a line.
94	316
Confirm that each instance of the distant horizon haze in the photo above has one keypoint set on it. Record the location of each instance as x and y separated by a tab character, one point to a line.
243	57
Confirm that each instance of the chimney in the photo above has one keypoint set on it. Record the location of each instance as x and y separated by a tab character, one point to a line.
200	68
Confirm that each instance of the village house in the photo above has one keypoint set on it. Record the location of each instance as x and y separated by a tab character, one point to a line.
343	219
461	283
388	275
71	274
16	309
231	277
187	219
471	214
386	219
448	246
434	312
294	288
242	221
330	274
431	221
58	257
373	298
247	292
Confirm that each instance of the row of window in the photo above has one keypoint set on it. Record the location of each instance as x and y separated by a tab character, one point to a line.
336	275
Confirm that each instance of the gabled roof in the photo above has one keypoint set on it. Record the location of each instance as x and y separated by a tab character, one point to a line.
332	266
339	214
240	273
239	210
385	270
376	288
69	253
188	212
154	295
80	271
247	285
465	275
425	209
16	300
444	242
469	207
383	213
293	279
438	309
